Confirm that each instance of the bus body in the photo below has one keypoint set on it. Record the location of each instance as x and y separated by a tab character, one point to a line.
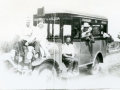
61	24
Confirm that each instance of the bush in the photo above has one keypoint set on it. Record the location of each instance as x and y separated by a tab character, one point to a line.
7	46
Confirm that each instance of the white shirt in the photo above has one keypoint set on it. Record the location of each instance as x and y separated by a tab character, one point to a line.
27	34
68	49
40	33
86	33
105	35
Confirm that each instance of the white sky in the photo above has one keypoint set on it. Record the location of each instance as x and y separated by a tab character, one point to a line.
14	12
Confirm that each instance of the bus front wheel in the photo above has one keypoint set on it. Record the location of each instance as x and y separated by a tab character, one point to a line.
45	71
94	69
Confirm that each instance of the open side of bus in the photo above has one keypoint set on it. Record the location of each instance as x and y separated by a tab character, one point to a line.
59	25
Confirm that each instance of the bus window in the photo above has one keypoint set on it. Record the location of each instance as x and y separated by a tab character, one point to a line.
96	30
67	27
66	30
76	28
104	28
56	30
86	29
53	28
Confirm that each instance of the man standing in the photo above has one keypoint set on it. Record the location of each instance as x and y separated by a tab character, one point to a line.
68	54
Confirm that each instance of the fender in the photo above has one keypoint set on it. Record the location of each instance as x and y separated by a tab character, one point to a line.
51	61
45	60
96	56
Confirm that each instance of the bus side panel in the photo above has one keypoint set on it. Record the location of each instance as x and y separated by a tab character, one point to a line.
56	51
85	52
99	45
103	47
96	47
77	50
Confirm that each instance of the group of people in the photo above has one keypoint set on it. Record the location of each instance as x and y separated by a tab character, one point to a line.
36	37
68	52
33	36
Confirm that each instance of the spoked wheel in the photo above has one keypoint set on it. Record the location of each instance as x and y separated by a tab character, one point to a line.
96	68
46	73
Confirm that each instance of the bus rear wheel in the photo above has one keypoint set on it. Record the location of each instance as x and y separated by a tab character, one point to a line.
94	69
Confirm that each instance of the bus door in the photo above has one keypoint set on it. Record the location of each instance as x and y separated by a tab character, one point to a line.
66	27
86	47
53	36
71	27
98	39
104	28
100	43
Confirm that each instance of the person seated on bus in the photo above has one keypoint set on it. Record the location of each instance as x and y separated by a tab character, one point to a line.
86	32
27	39
41	36
68	54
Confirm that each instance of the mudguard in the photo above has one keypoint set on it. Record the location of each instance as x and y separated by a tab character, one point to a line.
97	54
40	61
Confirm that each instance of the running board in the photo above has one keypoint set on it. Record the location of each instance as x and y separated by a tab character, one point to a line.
85	64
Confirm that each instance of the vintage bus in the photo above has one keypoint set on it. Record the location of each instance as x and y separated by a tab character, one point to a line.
58	25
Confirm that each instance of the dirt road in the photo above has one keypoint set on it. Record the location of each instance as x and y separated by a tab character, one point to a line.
108	78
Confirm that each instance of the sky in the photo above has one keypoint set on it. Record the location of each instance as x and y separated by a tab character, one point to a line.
14	13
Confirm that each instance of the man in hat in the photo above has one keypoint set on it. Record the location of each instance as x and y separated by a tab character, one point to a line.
86	32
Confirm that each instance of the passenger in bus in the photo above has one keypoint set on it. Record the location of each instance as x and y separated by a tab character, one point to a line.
103	32
68	54
86	32
27	39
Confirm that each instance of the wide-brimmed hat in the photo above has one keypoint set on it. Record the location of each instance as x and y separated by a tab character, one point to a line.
86	25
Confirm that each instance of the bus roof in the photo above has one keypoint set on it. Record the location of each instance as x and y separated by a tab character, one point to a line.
71	13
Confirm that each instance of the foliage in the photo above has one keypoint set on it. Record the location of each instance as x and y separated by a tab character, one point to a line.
7	46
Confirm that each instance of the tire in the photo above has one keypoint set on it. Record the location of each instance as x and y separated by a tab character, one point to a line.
45	70
96	68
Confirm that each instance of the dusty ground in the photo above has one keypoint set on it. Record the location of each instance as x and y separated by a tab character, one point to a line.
108	78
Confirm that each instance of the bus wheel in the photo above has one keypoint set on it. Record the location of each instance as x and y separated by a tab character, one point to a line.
46	72
96	68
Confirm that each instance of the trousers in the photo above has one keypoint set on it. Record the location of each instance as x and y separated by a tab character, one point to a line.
72	63
21	44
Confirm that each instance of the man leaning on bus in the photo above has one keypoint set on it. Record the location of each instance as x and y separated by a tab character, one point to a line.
86	32
68	54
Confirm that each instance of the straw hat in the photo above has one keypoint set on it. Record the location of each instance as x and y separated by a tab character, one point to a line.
86	25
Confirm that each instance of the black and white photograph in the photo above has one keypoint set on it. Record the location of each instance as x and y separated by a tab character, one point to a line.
60	44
